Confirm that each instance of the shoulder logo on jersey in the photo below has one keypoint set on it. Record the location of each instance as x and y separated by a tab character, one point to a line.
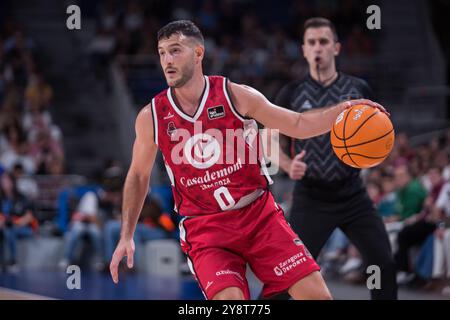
169	115
306	105
202	151
171	128
216	112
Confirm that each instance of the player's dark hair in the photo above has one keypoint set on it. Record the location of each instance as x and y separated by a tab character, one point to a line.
318	22
184	27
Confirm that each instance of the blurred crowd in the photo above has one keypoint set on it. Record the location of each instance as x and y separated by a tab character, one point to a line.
31	147
30	142
29	136
250	42
96	216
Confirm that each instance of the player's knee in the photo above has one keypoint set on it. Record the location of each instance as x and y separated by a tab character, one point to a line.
318	294
233	293
323	295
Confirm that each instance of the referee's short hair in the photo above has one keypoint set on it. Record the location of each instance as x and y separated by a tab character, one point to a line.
318	22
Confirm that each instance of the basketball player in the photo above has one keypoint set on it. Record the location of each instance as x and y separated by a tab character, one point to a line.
329	194
230	217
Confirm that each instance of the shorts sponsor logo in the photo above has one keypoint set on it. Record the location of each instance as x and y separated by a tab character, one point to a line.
278	271
224	272
289	264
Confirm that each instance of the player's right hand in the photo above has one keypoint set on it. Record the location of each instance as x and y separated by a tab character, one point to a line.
298	167
125	247
350	103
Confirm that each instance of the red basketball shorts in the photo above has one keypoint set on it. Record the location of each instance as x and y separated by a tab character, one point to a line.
220	246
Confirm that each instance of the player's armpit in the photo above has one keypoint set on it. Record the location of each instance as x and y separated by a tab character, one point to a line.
144	147
252	103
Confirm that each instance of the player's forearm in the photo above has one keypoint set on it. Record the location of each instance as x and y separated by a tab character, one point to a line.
135	191
311	124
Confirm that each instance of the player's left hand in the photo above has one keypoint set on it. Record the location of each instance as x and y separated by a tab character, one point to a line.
125	247
350	103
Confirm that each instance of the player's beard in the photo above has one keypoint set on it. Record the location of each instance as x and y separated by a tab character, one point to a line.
186	74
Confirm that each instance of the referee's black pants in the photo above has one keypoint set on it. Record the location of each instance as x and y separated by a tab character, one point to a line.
318	209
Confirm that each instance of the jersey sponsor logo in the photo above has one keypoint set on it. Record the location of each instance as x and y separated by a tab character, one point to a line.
202	151
211	177
216	112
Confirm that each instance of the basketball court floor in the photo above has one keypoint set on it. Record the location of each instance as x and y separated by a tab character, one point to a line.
38	285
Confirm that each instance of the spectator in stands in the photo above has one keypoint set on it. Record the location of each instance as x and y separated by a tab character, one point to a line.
37	118
404	147
18	41
101	50
387	204
17	218
418	227
46	151
442	161
15	149
26	184
84	222
133	18
387	208
109	17
443	234
433	262
38	93
411	194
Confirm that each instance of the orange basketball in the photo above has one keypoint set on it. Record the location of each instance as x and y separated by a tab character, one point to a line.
362	136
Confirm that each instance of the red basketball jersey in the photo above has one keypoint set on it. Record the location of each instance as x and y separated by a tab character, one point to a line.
214	158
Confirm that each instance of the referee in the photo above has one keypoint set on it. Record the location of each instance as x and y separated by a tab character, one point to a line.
329	194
